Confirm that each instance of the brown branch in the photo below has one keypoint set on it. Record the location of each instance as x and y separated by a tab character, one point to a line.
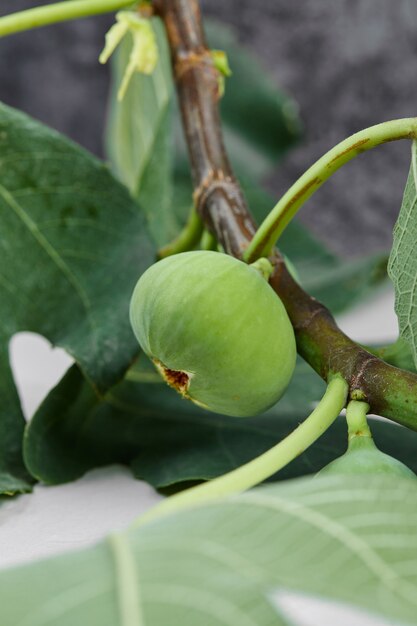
391	392
217	195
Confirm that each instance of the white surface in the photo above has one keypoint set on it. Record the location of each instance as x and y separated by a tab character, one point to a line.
372	322
71	516
305	610
66	517
37	367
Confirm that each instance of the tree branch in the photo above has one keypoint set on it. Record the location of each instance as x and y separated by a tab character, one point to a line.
389	391
217	195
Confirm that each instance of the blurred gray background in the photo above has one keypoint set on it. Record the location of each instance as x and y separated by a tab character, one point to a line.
349	64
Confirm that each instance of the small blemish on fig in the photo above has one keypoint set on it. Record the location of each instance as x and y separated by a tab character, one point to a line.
177	379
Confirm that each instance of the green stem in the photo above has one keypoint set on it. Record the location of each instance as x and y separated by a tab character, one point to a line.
356	419
60	12
208	241
259	469
271	228
187	239
264	267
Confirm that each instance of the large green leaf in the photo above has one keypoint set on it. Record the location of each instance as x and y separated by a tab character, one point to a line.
168	440
13	475
403	260
72	246
341	540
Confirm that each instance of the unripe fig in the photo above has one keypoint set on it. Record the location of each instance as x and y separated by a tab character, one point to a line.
216	331
363	457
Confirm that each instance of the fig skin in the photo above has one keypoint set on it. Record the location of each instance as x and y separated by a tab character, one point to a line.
363	457
219	328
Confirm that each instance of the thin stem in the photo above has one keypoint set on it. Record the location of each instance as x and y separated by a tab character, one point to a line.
272	227
264	267
265	465
208	241
187	239
356	419
60	12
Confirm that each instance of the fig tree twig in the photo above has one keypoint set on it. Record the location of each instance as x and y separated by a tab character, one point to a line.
217	194
389	391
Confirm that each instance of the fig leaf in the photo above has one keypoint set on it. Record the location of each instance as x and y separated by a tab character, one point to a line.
72	245
213	565
402	266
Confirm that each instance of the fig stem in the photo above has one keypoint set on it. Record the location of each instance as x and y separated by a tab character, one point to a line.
264	466
264	267
274	224
59	12
187	238
356	412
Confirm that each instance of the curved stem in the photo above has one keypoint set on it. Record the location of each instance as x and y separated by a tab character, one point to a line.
356	412
259	469
60	12
272	227
187	239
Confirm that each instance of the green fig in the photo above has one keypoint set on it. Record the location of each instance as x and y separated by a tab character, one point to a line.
215	330
363	457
